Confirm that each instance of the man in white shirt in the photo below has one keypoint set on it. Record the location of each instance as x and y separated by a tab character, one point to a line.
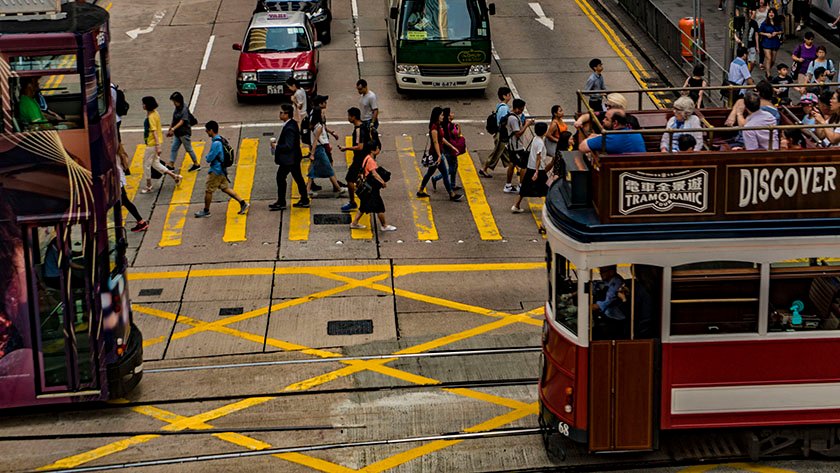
367	104
516	127
298	99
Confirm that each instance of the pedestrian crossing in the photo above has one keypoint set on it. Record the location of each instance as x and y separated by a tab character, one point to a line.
406	176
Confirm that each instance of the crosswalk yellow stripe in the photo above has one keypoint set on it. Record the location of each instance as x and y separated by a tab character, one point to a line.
132	181
366	220
299	218
474	192
421	209
176	214
246	166
536	206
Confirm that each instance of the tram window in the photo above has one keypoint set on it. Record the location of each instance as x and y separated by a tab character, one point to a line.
565	294
48	264
804	295
114	254
103	87
715	298
50	100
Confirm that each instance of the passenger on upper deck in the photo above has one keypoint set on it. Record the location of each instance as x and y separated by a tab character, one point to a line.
829	134
686	142
683	118
614	101
616	143
766	95
758	117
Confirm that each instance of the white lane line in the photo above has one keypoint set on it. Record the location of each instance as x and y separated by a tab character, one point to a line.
516	95
541	18
468	121
207	51
194	98
493	49
357	36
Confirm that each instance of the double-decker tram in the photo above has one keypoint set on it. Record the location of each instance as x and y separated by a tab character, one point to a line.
694	290
66	330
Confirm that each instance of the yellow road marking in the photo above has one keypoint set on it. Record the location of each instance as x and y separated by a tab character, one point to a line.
315	463
735	466
456	337
246	166
499	400
132	181
474	192
299	218
535	204
97	453
179	206
366	220
405	269
618	46
108	6
421	209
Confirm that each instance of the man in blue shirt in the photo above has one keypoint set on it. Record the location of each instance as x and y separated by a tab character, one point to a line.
610	312
500	152
217	176
617	143
739	72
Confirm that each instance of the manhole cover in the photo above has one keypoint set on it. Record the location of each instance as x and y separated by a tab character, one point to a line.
332	219
150	292
349	327
225	311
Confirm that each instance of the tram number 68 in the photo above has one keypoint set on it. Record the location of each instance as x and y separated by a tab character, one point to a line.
563	428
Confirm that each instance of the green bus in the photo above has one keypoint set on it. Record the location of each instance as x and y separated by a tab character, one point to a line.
440	44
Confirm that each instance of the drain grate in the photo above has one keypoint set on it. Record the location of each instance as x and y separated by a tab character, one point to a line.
332	219
349	327
150	292
225	311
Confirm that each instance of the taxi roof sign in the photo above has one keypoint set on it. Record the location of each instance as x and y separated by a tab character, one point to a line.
278	16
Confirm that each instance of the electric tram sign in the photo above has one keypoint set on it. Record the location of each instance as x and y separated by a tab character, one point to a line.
664	191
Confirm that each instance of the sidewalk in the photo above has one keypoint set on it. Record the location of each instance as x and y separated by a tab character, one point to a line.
717	25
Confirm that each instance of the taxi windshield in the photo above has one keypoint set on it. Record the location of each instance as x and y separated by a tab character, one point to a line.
277	39
442	20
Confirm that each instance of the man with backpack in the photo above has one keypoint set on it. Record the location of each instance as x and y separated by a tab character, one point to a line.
493	127
181	131
220	157
515	125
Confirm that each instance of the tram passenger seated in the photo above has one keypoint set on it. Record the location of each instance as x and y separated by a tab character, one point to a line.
615	101
610	308
753	140
792	139
831	135
683	118
686	142
615	144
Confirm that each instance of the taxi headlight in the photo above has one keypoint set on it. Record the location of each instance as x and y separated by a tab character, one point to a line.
479	69
408	69
303	75
248	76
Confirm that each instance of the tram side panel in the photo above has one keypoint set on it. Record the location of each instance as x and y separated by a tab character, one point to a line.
750	383
564	384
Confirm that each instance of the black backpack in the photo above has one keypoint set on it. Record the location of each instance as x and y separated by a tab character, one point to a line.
504	133
193	120
305	132
227	153
492	125
122	105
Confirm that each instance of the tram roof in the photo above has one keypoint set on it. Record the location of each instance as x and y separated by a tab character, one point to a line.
81	17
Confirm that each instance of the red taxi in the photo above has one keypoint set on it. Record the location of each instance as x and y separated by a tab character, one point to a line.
277	46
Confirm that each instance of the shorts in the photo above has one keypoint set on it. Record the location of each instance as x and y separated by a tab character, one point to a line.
354	170
216	182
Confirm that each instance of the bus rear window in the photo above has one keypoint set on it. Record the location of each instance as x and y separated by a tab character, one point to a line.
49	101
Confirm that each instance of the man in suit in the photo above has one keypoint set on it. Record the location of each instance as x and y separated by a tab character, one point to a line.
287	156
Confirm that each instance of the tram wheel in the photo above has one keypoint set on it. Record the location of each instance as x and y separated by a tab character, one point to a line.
551	441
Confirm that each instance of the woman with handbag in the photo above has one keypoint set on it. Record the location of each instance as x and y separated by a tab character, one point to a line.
433	157
321	166
454	145
368	189
153	136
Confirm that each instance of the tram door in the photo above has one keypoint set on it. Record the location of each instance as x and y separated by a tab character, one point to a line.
66	363
622	357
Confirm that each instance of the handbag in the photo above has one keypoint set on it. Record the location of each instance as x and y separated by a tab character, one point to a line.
428	160
155	174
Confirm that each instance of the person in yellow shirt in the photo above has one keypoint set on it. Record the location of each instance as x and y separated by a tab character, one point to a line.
153	135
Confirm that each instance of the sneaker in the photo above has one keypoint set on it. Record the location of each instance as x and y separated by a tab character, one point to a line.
277	206
349	207
243	207
316	187
357	226
140	227
170	166
202	214
516	210
485	175
456	198
388	228
422	194
457	188
194	167
301	204
342	192
510	189
312	194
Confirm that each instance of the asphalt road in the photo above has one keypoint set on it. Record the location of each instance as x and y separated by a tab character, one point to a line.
252	307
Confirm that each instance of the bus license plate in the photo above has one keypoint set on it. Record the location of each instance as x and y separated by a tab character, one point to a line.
275	89
444	84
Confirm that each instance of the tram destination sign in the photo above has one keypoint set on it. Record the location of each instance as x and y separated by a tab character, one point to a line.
663	192
782	188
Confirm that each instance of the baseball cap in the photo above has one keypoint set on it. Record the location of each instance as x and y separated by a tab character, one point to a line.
808	99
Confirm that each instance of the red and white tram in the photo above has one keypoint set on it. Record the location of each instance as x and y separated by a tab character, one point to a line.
697	290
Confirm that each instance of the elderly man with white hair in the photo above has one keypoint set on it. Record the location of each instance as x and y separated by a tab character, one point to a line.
614	101
683	118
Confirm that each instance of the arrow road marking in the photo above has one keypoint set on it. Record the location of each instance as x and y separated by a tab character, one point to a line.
133	34
541	18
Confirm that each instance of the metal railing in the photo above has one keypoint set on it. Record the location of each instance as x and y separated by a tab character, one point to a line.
680	47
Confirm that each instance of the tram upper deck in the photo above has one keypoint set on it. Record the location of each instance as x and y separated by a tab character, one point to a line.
716	192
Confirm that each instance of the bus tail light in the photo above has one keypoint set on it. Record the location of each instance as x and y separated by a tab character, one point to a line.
569	400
